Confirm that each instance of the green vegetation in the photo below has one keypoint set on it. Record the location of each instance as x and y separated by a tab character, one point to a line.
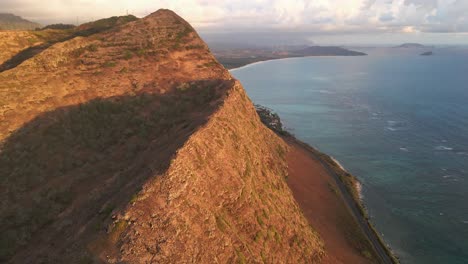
80	51
258	236
128	55
141	52
260	220
240	257
110	64
59	26
117	229
102	25
182	34
210	64
221	223
191	47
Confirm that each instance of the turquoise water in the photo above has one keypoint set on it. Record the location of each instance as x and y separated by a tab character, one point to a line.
400	124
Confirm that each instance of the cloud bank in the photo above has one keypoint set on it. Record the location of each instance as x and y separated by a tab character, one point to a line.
311	16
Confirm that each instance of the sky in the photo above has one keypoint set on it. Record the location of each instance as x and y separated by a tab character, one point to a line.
344	22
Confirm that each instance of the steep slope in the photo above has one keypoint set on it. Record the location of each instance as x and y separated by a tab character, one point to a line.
12	22
12	42
134	145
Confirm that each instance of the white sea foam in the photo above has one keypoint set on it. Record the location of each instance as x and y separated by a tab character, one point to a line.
321	79
358	185
450	178
465	222
375	116
395	125
443	148
338	163
404	149
326	92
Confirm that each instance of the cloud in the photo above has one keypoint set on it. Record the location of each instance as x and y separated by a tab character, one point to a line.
326	16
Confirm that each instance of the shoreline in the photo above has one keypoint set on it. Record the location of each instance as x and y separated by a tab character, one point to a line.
357	183
349	189
348	185
290	58
263	61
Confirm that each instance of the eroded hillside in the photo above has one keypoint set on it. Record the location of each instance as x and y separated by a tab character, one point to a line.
134	145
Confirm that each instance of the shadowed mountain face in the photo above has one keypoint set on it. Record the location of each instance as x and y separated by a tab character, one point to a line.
65	172
135	145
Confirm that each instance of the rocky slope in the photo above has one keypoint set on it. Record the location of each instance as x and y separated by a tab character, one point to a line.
134	145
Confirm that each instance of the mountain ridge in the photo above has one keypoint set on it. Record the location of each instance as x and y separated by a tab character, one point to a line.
158	155
12	22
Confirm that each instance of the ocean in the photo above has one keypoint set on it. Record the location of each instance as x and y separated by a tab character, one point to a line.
399	124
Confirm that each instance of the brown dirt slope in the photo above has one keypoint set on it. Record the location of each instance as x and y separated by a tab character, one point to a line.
135	146
318	196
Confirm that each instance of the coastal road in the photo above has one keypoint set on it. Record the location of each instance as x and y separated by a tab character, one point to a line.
379	248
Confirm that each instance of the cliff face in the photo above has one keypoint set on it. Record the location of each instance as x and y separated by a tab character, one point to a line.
134	145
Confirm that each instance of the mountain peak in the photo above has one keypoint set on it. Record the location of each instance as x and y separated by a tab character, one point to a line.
166	17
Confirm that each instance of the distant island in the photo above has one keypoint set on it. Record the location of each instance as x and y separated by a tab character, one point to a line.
427	53
13	22
411	46
235	58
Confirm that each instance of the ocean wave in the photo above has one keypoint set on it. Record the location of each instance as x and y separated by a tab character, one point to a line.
465	222
443	148
450	178
395	125
325	92
404	149
375	116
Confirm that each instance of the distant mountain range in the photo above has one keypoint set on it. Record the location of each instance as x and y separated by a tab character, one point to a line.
13	22
326	51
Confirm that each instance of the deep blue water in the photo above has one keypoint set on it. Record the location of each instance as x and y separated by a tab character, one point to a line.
400	124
